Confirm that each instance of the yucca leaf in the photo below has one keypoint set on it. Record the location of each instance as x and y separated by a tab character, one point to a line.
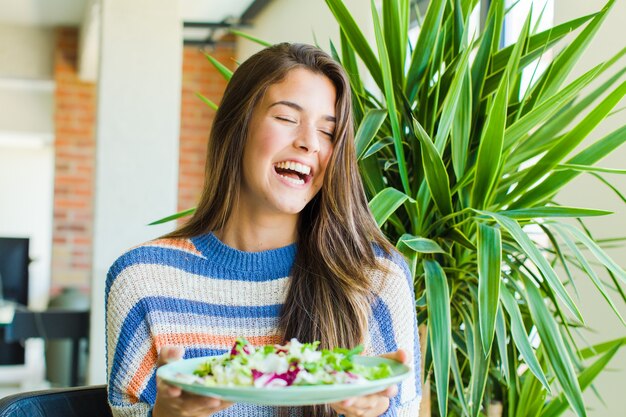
427	40
520	336
556	353
435	171
458	383
372	175
531	398
439	328
557	180
349	62
451	103
587	268
501	338
589	168
461	127
420	244
480	365
395	22
250	37
560	255
368	129
542	212
489	260
554	125
548	107
483	55
538	43
599	348
207	101
570	140
377	146
529	247
386	203
611	186
457	236
391	101
595	249
561	66
226	73
490	148
558	405
512	70
173	216
356	39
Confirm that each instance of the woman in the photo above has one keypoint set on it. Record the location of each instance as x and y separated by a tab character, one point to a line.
282	245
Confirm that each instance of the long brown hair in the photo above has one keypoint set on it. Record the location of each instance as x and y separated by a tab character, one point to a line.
328	296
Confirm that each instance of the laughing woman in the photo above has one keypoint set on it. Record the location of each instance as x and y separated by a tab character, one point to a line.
282	245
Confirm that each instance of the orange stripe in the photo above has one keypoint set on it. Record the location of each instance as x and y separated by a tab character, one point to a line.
147	366
145	371
215	341
183	244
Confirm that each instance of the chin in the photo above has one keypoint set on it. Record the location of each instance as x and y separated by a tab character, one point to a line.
290	208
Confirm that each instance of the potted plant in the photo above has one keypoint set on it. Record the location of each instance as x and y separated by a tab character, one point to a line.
463	166
444	152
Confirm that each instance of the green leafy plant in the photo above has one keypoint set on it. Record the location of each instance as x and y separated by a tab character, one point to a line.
444	152
463	166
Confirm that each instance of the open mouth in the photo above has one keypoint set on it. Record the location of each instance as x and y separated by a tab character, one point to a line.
294	172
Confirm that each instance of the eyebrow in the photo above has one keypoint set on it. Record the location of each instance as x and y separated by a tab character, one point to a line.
299	108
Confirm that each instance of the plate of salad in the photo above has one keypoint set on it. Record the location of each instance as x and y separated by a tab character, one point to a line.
294	374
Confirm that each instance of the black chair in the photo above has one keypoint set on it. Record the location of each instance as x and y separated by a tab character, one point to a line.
89	401
50	324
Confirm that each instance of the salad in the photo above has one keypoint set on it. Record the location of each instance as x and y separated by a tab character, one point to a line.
294	363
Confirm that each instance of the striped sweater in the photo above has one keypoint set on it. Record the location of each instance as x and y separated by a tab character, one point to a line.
201	294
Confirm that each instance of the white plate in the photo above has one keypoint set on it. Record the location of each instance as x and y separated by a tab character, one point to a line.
283	396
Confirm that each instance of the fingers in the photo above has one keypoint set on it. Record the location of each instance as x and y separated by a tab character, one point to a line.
368	405
166	390
170	354
184	403
399	356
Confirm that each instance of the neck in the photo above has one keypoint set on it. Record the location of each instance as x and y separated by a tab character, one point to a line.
255	233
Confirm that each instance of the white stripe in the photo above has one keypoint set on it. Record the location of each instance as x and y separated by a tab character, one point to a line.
138	281
395	291
410	409
131	361
199	327
135	410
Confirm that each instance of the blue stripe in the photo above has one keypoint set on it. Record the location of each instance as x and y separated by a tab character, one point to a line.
383	320
398	259
136	319
193	264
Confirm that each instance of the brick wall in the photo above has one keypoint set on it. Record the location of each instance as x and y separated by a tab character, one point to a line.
74	149
196	117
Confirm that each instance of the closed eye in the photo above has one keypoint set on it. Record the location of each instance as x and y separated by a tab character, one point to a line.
285	119
329	134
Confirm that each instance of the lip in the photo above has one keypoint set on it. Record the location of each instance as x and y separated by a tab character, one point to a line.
308	179
300	161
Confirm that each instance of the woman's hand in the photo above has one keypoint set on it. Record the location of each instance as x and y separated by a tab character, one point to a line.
372	405
172	401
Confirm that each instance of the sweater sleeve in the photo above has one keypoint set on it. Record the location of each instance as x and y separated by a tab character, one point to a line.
393	326
131	355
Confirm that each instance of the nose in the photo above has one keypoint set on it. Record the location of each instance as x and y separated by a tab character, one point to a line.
307	139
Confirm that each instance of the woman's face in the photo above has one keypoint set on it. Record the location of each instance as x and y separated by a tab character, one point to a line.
289	143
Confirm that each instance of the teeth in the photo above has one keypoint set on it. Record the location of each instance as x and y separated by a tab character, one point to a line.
294	166
297	181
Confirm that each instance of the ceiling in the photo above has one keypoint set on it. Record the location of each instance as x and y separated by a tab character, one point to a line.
71	12
214	14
